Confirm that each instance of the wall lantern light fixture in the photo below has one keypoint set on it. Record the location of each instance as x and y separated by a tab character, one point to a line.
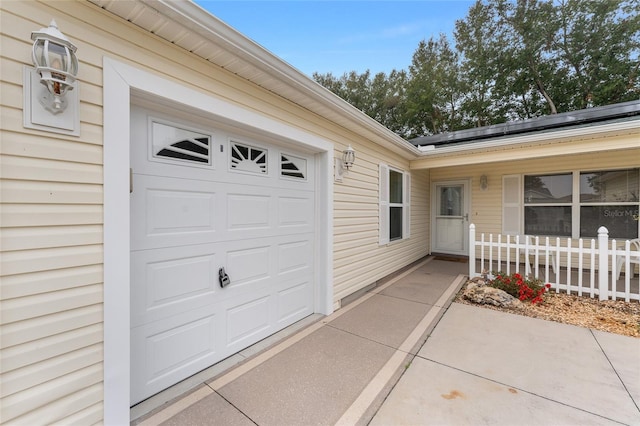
51	91
484	182
55	59
344	164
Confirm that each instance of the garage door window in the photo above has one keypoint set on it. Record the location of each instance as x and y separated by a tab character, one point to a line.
293	167
248	158
169	142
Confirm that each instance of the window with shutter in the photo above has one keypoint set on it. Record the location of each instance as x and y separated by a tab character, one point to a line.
394	204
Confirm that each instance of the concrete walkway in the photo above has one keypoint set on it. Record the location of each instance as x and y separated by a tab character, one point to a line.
486	367
369	363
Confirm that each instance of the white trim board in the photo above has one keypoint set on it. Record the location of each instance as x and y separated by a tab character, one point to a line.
121	82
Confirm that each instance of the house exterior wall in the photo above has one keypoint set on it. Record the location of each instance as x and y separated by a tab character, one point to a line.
358	258
486	206
52	271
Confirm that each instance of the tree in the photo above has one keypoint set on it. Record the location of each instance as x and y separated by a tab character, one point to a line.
513	60
475	37
433	91
380	97
599	46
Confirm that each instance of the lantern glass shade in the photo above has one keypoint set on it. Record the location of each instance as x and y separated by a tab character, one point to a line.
55	59
348	157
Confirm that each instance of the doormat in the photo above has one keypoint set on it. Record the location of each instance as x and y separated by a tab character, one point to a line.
452	259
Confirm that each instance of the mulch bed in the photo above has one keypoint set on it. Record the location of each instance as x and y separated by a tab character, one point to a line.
613	316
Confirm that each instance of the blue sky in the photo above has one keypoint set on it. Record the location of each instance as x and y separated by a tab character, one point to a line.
341	36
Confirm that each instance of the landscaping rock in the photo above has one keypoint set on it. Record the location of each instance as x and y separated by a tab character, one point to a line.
478	292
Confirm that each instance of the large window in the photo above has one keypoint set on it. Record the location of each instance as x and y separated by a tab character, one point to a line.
395	213
578	203
547	204
609	198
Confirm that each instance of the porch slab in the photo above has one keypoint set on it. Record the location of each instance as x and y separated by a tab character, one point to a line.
436	394
421	286
310	383
448	267
555	361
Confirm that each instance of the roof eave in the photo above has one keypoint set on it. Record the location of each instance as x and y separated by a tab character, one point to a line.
196	19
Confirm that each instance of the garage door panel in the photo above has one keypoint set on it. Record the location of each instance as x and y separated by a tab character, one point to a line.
295	212
248	322
248	265
161	289
294	255
248	211
171	212
294	301
180	346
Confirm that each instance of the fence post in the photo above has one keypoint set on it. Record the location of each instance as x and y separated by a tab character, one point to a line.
603	263
472	251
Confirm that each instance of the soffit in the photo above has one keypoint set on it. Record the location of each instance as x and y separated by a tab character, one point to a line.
192	28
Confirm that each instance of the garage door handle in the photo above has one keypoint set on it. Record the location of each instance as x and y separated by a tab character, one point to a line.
224	278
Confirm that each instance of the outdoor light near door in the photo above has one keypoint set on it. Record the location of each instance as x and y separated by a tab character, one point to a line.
484	182
345	163
51	98
55	59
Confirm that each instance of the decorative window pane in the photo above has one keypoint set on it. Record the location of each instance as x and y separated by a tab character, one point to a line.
293	167
395	223
396	207
548	189
180	144
621	220
451	201
395	187
248	158
613	186
547	220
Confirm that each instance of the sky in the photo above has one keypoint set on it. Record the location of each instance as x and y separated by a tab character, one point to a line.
331	36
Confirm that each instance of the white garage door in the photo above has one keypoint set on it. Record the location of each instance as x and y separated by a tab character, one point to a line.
204	199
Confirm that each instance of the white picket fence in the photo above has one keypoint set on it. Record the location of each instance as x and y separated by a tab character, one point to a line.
587	268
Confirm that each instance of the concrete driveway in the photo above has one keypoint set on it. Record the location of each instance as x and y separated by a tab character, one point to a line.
481	366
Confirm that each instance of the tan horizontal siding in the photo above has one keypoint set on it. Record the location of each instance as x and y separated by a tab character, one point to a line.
32	352
39	169
24	378
57	322
43	304
50	215
27	192
50	392
51	237
81	408
40	146
26	261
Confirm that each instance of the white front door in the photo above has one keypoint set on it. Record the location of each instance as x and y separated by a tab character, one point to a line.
450	213
204	199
